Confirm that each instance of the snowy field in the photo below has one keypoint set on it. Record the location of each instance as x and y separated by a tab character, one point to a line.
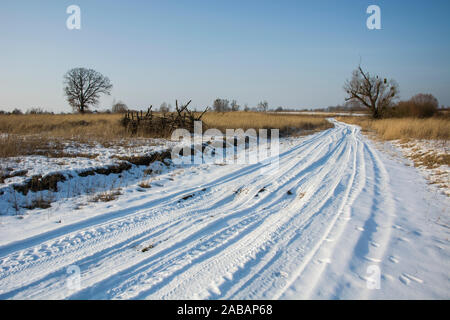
341	218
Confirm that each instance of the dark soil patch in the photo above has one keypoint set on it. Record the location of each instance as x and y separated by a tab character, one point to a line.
145	249
20	173
146	160
38	203
188	196
116	168
39	183
62	154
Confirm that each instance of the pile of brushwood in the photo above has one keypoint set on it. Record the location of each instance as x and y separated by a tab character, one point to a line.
161	124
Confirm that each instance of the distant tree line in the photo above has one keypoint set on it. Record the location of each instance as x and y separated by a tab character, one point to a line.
346	107
34	110
224	105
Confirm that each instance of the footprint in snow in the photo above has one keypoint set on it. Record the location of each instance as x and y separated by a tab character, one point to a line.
403	239
407	278
393	259
387	277
281	274
324	260
372	259
417	233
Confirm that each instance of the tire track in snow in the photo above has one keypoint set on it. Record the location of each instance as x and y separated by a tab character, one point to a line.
217	244
140	278
79	240
366	246
246	213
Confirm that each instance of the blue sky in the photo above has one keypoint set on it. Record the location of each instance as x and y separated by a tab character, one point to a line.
290	53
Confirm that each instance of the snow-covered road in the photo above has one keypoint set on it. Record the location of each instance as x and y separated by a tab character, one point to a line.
335	215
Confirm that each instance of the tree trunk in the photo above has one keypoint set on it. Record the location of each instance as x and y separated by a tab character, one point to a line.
375	113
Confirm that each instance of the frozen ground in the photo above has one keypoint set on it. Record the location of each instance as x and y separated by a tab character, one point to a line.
75	160
336	214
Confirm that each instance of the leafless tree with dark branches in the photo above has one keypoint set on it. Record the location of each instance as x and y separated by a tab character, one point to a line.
83	88
371	91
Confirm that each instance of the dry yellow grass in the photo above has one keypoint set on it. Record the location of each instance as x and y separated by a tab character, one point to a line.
76	126
107	126
430	160
409	131
404	128
286	123
31	134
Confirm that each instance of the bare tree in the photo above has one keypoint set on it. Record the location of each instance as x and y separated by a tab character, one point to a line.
371	91
279	109
83	88
263	106
164	108
119	107
234	106
36	110
221	105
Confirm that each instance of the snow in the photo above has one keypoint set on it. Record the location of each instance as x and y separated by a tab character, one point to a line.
337	210
93	157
